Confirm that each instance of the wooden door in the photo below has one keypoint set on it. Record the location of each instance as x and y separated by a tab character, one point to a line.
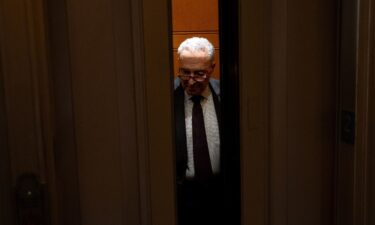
85	103
25	112
111	73
288	67
74	102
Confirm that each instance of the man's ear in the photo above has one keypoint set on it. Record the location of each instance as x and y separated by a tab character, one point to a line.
213	64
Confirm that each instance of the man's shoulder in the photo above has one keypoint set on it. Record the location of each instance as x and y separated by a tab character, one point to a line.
215	84
177	83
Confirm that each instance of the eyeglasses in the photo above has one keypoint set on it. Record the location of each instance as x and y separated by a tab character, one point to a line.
197	75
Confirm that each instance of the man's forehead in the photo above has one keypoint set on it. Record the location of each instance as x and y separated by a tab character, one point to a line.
193	54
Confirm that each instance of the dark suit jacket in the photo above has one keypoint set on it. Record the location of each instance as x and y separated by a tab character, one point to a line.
226	208
179	112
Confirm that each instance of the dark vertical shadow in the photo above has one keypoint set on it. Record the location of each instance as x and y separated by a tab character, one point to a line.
65	143
7	213
230	139
345	154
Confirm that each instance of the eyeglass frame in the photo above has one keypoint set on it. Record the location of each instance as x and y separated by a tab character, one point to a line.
192	74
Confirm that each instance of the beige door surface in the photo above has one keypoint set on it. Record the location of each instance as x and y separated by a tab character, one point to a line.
85	103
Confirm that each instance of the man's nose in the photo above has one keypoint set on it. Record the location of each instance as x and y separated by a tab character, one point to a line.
191	80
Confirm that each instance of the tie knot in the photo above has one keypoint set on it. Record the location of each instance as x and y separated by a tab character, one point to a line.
196	98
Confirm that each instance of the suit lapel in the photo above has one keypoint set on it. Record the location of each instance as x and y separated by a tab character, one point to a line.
217	107
181	149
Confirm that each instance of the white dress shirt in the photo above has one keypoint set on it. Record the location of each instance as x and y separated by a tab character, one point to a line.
212	132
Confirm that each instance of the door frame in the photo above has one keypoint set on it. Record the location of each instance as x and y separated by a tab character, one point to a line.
253	91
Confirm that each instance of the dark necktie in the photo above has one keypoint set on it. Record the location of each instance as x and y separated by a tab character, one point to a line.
202	163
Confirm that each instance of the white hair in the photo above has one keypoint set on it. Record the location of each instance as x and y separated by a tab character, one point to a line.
197	44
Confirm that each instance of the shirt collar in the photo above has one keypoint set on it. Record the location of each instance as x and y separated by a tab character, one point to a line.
205	94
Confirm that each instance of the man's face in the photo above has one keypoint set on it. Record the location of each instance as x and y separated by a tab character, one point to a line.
194	64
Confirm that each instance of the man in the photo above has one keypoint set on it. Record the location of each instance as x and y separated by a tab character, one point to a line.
199	159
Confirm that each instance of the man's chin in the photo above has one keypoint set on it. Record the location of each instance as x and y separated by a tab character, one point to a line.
194	92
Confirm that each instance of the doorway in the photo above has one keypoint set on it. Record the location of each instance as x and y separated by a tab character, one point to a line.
218	22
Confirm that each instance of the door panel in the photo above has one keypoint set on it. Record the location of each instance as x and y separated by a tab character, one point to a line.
26	108
110	149
288	110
